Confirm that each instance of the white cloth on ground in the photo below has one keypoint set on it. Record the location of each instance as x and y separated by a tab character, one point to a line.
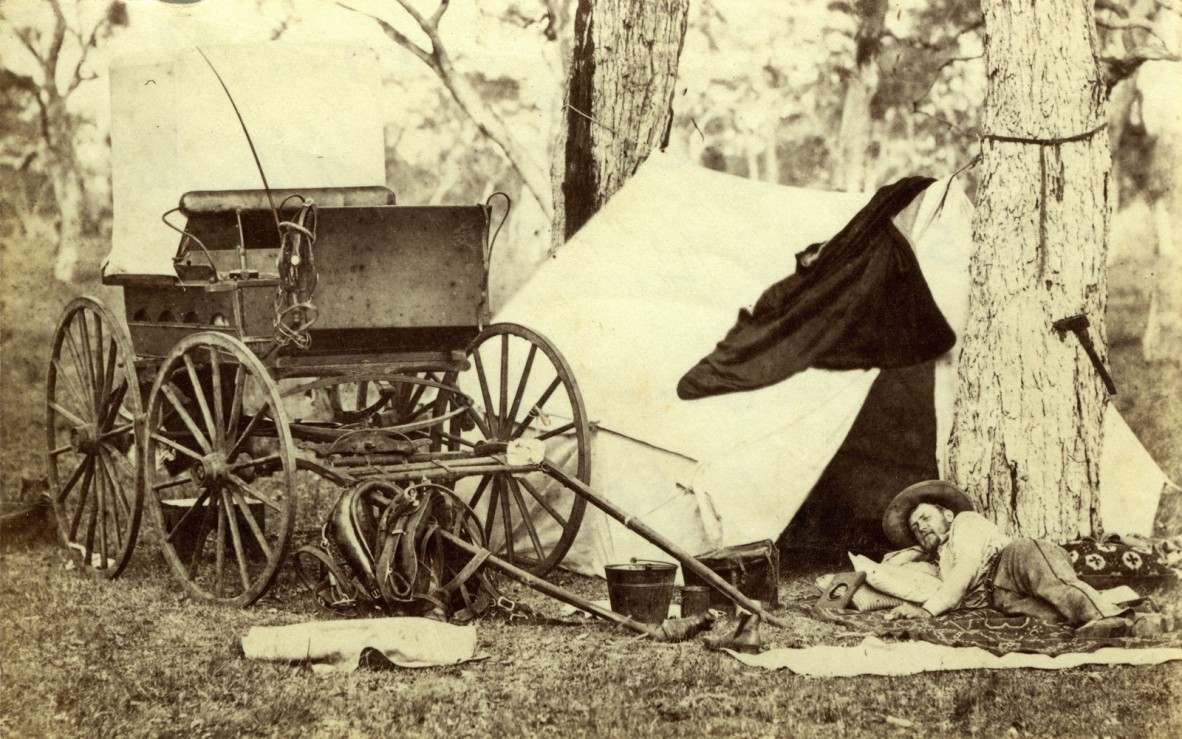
336	646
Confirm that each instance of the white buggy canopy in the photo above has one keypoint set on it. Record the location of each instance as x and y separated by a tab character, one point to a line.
309	110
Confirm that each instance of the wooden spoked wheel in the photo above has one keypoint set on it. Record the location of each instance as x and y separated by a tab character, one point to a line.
92	413
218	467
522	389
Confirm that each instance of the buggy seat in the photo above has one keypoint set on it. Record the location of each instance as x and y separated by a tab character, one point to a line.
201	202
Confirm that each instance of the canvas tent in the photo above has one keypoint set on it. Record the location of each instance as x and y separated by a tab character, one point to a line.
647	288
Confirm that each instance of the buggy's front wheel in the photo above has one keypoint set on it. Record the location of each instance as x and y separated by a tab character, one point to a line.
219	467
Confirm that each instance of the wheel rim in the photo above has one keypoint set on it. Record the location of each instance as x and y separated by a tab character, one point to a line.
219	465
92	412
521	388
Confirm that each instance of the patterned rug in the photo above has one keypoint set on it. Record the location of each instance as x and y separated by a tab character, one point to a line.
990	630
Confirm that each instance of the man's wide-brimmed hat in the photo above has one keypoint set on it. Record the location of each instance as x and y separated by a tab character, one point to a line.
937	492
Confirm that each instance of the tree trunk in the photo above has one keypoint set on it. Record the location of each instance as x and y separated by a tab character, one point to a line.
1158	83
853	137
67	191
1026	433
618	101
1162	340
66	183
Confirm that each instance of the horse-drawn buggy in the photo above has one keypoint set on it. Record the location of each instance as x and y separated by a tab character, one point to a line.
304	336
196	386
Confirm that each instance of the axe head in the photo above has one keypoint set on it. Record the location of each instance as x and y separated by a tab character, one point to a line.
1075	323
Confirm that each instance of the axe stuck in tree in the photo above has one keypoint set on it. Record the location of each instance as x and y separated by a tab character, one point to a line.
1078	325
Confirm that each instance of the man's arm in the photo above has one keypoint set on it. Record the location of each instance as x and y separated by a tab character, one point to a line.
954	586
904	556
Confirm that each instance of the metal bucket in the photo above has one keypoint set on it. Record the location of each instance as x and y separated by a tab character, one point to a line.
642	590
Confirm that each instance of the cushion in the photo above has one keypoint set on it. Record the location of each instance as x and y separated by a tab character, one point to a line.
914	581
865	598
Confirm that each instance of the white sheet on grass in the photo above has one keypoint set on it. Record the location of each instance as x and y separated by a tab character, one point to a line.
336	646
876	657
308	108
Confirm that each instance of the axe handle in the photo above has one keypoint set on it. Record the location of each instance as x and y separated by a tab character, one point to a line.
1085	339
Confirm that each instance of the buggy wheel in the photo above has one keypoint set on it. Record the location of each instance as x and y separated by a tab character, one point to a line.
218	465
92	414
522	388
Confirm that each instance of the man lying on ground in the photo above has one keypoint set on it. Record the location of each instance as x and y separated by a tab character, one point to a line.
979	565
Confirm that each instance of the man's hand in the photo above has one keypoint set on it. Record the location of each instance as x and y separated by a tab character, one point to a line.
907	610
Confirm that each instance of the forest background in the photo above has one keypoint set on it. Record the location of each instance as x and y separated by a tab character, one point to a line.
831	95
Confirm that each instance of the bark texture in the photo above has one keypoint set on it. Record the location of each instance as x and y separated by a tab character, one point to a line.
1026	435
618	102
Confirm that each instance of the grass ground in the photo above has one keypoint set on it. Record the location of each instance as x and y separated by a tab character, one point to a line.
137	658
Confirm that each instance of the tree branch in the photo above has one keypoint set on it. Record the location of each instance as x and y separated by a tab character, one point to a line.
940	46
1121	24
25	36
438	14
466	96
413	13
55	47
1116	69
936	74
397	37
1174	5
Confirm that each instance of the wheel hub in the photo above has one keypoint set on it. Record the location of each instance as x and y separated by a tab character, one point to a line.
84	439
211	470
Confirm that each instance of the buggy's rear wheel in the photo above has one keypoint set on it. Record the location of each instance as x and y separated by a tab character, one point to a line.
219	466
523	389
92	414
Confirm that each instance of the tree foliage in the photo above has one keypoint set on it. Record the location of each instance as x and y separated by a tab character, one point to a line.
58	40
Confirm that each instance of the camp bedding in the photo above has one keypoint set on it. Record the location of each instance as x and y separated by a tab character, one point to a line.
992	631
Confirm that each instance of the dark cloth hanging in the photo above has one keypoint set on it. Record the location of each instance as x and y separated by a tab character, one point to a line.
856	301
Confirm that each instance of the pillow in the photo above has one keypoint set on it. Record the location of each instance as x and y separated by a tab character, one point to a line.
865	598
869	599
914	582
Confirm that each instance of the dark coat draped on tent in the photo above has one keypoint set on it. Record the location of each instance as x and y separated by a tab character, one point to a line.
856	301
